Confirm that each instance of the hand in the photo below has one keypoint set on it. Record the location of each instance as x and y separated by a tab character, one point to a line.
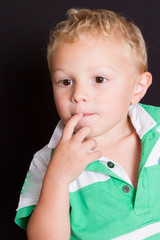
71	156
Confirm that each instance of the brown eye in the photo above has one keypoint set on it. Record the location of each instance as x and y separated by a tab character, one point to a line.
66	82
100	79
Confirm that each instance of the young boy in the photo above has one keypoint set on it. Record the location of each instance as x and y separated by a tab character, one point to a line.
101	181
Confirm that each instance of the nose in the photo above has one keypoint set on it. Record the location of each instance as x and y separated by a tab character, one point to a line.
79	94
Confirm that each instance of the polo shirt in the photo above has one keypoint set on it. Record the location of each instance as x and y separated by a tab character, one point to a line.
103	202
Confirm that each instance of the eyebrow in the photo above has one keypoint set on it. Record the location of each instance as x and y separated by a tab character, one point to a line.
102	67
58	70
89	69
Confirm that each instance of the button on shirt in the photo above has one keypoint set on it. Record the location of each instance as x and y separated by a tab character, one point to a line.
110	164
126	188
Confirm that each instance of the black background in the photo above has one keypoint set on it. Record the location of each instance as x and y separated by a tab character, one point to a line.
27	111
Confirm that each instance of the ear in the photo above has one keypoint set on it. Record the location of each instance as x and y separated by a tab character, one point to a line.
144	81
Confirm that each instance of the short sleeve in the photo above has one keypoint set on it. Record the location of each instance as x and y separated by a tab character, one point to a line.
23	216
31	189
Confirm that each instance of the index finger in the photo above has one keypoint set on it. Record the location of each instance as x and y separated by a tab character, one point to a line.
70	126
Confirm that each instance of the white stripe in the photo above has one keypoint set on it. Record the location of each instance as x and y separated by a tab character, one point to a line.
34	178
140	119
27	201
154	156
158	129
87	178
56	136
142	233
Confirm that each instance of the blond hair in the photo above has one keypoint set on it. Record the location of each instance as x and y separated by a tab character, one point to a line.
85	21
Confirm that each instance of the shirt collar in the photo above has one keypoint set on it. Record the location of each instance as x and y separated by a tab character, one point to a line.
56	136
140	119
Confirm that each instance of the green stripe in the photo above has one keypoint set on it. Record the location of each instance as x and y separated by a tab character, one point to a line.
51	152
154	237
23	216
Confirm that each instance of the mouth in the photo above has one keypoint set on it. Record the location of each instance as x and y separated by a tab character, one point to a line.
88	114
84	114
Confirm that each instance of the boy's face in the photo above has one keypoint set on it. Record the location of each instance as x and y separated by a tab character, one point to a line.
97	78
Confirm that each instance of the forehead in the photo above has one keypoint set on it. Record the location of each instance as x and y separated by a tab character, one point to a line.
91	51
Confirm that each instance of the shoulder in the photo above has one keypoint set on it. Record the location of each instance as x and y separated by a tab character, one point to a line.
43	154
153	111
41	160
34	178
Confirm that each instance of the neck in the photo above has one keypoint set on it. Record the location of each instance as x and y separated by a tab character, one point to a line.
116	134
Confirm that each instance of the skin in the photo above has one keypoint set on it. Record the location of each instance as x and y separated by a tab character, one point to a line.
94	77
94	82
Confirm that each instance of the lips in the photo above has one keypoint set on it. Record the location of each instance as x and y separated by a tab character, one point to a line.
88	114
84	114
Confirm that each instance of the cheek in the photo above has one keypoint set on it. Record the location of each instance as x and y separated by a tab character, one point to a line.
60	103
115	102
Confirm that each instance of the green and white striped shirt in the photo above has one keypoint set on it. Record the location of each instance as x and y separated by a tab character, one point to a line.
104	204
